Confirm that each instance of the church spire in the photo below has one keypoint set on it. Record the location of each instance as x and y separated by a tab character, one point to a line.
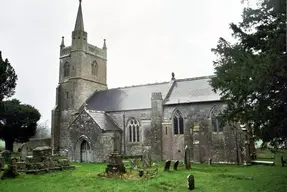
104	45
79	26
62	43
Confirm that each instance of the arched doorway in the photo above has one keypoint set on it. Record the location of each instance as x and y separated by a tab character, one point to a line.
85	151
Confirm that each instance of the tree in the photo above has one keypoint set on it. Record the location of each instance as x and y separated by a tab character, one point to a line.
251	74
8	79
42	130
18	122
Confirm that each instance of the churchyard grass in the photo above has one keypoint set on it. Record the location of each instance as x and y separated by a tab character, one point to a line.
212	178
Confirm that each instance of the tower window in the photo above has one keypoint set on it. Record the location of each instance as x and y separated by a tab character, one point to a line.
66	69
67	95
215	123
133	130
94	68
178	123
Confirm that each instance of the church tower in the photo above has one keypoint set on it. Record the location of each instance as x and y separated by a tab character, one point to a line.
82	71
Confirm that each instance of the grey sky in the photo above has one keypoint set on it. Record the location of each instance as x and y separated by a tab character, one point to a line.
146	40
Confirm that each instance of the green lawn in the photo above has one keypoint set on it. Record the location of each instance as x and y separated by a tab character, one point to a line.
207	178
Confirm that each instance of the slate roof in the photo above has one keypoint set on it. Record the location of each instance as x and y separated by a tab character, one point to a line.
103	120
127	98
192	91
138	97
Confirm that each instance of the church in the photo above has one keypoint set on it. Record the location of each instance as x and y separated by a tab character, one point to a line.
90	121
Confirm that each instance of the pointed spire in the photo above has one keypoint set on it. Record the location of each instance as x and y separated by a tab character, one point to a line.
105	45
79	26
62	43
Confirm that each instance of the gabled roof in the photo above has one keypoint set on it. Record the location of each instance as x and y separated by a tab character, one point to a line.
104	121
180	91
126	98
192	91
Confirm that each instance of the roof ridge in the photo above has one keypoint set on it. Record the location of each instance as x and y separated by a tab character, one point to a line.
196	78
139	85
158	83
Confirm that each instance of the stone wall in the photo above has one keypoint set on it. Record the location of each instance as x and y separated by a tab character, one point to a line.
84	128
74	89
122	118
204	143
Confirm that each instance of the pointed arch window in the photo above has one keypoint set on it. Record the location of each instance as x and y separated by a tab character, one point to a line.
67	69
215	122
178	127
133	130
94	68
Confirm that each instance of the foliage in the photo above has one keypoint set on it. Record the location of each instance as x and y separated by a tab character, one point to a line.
251	74
19	122
215	178
42	130
8	79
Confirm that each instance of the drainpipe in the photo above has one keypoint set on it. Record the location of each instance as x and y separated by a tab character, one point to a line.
124	126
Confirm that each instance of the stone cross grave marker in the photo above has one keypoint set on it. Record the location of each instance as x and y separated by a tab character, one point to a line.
190	182
167	165
187	158
175	165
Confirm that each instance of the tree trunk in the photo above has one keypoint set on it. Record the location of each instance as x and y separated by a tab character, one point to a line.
9	144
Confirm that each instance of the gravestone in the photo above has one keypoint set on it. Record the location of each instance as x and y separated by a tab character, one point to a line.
146	158
23	151
11	172
2	163
209	161
187	158
42	153
167	165
283	161
175	165
190	182
135	163
115	164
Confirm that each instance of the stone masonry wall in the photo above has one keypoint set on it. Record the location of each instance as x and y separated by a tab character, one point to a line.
204	143
84	128
122	118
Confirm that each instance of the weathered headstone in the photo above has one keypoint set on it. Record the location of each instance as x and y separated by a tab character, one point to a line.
11	172
187	158
146	158
135	163
190	182
175	165
1	163
209	161
115	164
283	161
167	165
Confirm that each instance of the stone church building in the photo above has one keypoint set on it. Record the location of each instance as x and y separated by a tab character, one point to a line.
90	121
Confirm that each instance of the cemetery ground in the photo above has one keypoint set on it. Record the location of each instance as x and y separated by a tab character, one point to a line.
216	177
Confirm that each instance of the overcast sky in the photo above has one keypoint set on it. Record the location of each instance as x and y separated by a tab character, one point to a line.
146	40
